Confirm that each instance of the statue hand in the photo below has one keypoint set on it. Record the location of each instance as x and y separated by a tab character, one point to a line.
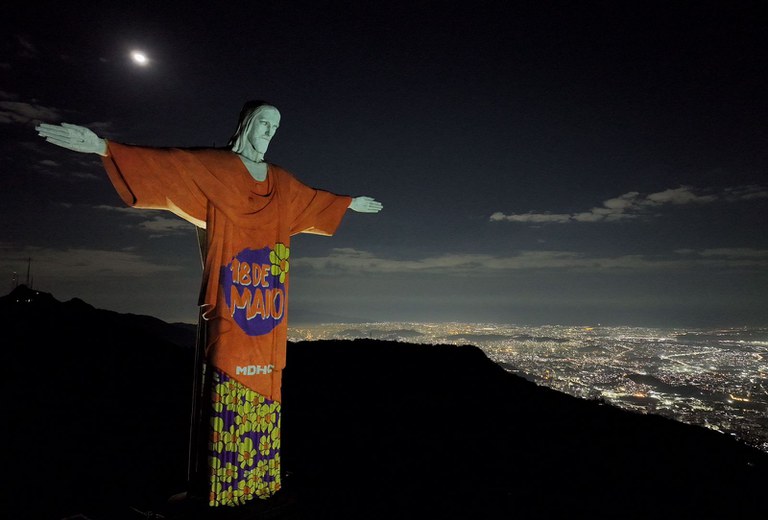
72	137
365	205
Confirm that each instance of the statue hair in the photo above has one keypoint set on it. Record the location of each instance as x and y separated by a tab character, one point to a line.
244	124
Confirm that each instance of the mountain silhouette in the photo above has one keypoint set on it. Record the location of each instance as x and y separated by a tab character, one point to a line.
98	406
95	399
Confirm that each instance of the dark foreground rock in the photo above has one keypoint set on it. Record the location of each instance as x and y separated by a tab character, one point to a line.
386	430
98	403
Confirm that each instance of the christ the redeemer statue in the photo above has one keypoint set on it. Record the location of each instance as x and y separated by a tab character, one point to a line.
249	209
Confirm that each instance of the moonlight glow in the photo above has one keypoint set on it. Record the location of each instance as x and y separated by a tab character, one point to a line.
139	58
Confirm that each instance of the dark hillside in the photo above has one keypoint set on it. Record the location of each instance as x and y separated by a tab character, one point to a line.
99	406
97	399
469	440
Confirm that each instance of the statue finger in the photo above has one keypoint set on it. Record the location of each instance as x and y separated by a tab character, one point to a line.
51	130
46	126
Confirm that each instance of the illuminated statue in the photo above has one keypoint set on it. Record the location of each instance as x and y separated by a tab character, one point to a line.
249	209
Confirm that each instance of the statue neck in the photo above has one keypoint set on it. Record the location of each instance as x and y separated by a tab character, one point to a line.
257	169
252	156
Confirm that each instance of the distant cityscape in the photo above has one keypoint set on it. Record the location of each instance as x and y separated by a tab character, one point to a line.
715	378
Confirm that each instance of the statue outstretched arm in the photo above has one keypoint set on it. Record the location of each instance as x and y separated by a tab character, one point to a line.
73	137
365	205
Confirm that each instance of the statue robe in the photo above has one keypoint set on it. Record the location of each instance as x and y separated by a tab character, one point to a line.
244	291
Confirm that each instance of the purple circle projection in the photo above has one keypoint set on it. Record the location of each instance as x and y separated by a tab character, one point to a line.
255	297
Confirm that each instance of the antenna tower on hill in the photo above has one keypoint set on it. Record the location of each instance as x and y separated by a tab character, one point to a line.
29	272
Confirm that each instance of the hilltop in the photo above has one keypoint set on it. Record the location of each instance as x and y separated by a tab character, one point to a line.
99	403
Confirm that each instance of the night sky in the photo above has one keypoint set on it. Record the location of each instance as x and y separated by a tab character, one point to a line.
539	162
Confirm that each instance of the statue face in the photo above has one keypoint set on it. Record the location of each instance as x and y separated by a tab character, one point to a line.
262	127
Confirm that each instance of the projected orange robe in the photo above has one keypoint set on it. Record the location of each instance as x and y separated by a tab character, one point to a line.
244	291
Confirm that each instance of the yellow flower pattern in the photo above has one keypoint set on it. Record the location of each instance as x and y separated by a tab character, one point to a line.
279	259
227	473
244	443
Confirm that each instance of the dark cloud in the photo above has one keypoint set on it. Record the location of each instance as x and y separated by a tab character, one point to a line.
26	49
352	261
632	205
22	112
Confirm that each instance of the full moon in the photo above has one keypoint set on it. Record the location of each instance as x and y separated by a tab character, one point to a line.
139	58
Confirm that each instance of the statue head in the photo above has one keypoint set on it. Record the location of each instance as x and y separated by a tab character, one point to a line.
257	125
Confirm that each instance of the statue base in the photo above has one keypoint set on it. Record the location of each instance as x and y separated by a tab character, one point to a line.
186	506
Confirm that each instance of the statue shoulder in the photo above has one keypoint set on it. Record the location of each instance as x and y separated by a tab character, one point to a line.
210	155
280	172
210	151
